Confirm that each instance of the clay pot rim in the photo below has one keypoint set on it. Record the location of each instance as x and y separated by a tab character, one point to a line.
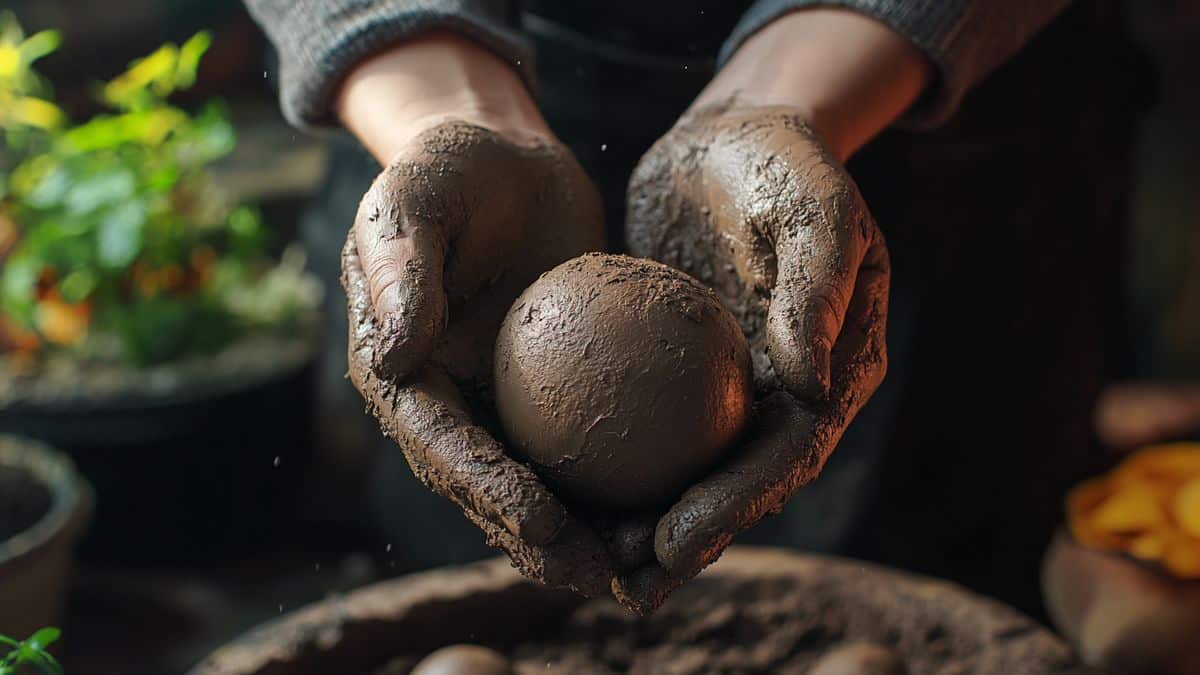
142	397
72	498
1065	535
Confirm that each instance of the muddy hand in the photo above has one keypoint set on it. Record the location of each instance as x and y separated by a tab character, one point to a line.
447	237
749	201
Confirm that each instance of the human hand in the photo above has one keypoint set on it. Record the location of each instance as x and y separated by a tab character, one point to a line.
750	201
747	193
477	199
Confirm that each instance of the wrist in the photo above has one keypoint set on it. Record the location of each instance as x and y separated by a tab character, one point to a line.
847	74
397	94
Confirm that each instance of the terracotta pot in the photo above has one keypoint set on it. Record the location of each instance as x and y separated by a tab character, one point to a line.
1121	614
399	621
44	507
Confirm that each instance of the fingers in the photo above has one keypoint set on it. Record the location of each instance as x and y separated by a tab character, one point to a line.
645	589
575	559
859	359
403	260
777	458
788	443
820	249
444	448
630	539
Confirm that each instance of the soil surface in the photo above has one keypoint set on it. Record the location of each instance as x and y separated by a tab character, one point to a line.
65	382
723	625
754	611
23	501
771	612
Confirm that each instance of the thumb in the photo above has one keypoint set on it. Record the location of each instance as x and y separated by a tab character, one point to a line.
403	259
819	255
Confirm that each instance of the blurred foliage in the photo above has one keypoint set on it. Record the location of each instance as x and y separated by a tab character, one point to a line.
30	656
115	241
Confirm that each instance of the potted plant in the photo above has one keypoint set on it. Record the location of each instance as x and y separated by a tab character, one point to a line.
146	329
44	505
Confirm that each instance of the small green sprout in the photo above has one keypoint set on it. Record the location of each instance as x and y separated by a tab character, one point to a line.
30	656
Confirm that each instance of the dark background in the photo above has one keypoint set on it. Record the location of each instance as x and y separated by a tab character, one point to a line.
158	608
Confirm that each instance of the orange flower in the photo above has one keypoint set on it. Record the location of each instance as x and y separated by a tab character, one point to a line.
60	322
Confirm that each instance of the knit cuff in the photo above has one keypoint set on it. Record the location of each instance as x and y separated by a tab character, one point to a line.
320	41
933	26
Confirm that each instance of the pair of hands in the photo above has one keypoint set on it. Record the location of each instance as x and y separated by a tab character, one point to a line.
746	197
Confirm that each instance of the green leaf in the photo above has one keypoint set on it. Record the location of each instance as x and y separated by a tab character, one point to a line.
146	81
39	44
31	653
210	136
18	281
93	192
120	234
162	178
78	285
145	127
246	231
50	190
40	181
44	637
189	59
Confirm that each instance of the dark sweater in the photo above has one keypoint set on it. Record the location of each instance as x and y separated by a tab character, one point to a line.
319	41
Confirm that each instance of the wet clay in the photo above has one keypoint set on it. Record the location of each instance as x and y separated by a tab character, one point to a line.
749	201
460	460
781	236
449	233
622	380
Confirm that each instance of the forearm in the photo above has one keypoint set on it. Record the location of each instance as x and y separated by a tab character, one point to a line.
848	74
395	95
963	40
320	42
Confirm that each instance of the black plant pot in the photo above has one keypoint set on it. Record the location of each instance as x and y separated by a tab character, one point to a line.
192	472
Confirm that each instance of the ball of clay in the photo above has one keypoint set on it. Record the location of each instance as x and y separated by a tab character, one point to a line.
860	658
464	660
621	380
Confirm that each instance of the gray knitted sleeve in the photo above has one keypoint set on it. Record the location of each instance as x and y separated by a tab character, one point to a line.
320	41
964	39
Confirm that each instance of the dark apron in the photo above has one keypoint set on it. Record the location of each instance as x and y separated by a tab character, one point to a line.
1005	228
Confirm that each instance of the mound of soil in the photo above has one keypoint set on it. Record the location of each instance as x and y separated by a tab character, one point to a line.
754	611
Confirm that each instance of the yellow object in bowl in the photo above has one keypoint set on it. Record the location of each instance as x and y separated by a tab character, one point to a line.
1147	507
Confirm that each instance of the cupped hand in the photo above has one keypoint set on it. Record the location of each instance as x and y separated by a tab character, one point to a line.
458	224
750	201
